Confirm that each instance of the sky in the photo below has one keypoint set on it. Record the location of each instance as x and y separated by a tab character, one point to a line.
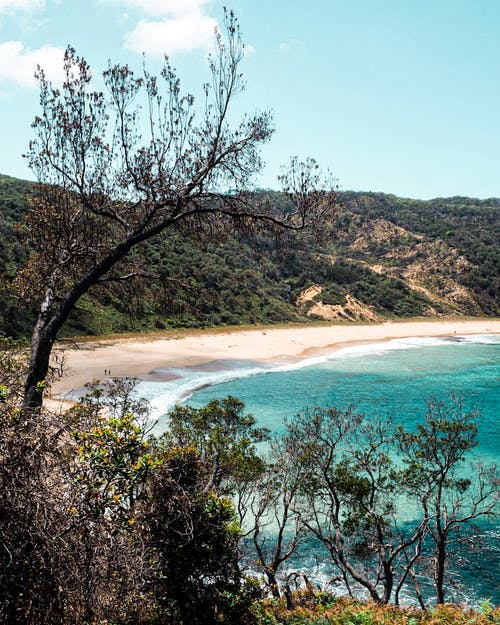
398	96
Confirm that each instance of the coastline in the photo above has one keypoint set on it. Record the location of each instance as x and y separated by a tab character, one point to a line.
145	356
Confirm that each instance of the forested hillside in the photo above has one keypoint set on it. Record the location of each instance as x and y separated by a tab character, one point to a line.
14	319
383	256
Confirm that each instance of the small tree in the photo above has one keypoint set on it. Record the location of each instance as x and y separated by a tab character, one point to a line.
372	521
318	438
192	540
274	525
104	190
452	492
207	455
349	497
226	439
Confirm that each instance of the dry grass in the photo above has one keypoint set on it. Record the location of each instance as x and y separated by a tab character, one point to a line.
327	610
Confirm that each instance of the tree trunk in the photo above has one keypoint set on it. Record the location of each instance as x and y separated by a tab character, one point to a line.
388	582
272	582
344	564
52	317
42	341
439	569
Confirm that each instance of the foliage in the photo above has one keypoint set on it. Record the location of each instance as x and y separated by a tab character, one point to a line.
67	553
310	610
100	522
113	461
231	279
15	319
30	568
193	534
435	455
269	517
348	498
224	436
353	471
458	226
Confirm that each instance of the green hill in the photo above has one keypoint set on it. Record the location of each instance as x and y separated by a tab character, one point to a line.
383	257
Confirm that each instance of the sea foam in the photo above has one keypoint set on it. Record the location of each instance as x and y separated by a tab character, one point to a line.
164	395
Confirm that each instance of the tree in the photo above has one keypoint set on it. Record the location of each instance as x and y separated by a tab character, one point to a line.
190	523
368	475
453	493
104	190
274	527
192	536
348	499
225	438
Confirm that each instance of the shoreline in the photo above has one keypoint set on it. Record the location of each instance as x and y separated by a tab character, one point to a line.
145	357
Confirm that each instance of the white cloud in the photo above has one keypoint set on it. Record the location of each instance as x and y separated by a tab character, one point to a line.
290	45
169	26
184	32
18	64
9	6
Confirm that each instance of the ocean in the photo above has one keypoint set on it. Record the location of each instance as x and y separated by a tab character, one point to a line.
394	379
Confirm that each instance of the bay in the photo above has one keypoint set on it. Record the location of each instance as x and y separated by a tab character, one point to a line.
393	378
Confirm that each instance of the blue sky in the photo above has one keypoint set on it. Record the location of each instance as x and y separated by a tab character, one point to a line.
400	96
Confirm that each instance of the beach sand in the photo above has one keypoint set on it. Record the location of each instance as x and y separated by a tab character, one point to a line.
145	356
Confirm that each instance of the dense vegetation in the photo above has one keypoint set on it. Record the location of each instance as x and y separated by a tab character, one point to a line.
101	523
469	226
14	318
439	245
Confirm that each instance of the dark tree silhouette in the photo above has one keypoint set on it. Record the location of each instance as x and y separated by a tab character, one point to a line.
119	167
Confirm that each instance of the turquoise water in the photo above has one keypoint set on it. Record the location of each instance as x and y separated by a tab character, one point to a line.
392	378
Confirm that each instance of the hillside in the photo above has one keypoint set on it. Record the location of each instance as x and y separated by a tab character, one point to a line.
384	257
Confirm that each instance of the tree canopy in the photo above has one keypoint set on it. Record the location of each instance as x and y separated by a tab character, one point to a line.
107	184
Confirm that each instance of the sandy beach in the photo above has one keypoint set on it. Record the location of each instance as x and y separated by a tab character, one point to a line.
145	356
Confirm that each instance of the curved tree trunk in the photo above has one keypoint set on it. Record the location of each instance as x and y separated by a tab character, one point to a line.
344	564
51	319
49	322
41	348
